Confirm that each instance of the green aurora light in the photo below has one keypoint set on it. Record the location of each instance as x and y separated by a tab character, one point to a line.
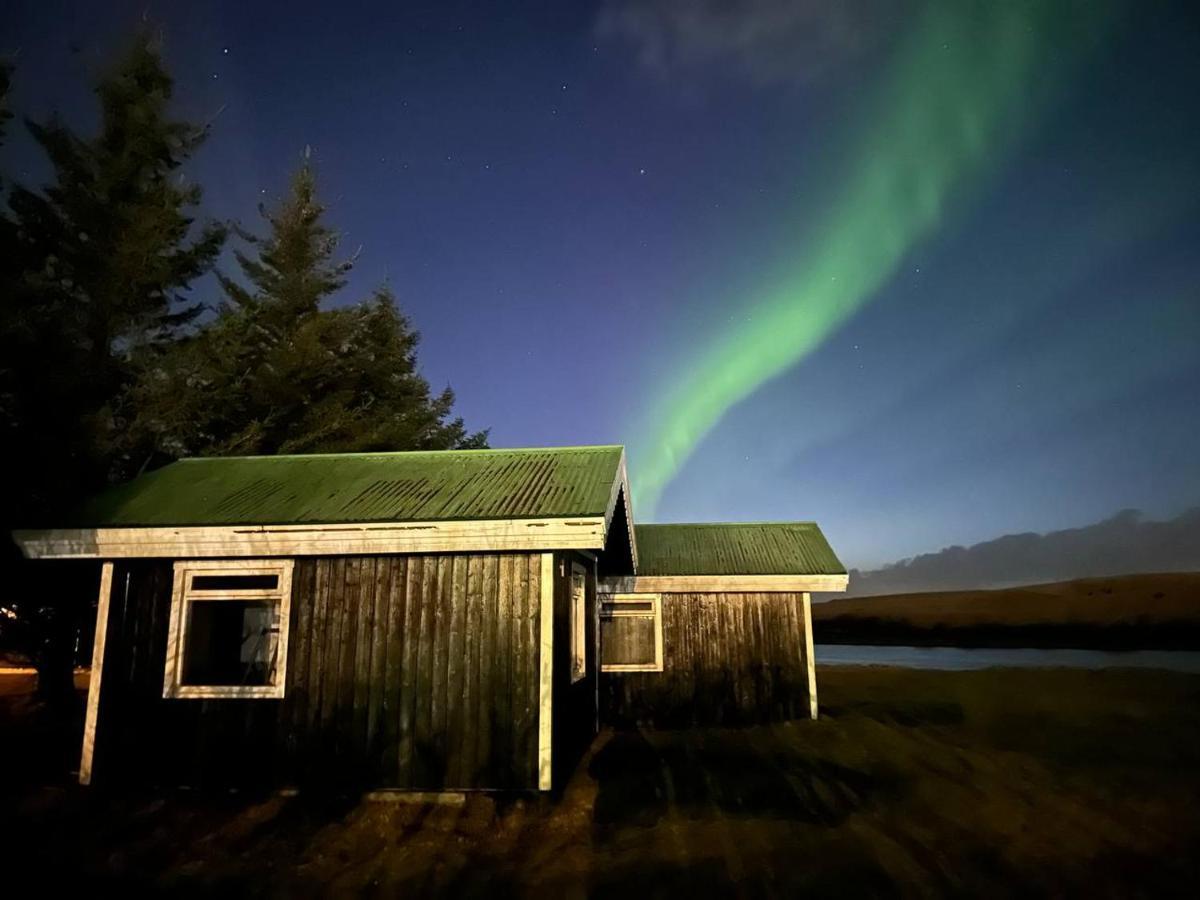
962	88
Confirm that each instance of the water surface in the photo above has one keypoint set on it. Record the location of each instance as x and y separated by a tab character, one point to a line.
965	658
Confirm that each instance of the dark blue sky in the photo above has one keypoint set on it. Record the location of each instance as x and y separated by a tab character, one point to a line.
571	200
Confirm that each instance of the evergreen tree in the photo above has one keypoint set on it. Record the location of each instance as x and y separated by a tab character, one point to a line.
105	258
276	372
5	80
99	265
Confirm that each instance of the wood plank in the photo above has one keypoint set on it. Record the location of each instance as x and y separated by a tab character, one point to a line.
330	696
469	710
745	687
546	671
456	673
593	661
524	762
97	674
810	663
425	740
376	685
437	737
759	647
297	699
791	639
173	663
502	699
394	715
415	641
364	612
487	682
318	665
715	584
349	538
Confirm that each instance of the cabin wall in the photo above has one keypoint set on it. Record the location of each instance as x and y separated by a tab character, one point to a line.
728	659
415	671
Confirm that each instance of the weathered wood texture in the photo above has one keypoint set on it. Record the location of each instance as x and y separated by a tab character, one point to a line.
727	659
415	671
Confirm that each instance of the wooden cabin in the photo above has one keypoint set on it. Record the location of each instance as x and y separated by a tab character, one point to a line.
423	621
716	627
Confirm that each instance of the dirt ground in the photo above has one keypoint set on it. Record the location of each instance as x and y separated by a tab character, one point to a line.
992	783
1116	600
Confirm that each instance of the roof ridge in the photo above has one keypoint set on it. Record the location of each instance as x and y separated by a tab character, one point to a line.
723	524
365	453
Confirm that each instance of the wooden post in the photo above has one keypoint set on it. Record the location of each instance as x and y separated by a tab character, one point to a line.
595	646
546	673
809	658
93	701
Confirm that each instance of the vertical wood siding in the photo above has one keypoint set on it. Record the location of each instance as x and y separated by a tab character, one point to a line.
403	671
728	659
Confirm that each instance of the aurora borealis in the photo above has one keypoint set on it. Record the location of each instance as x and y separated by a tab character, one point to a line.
947	112
924	271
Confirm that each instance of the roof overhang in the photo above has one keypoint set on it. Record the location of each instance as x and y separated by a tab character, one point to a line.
197	542
620	491
703	584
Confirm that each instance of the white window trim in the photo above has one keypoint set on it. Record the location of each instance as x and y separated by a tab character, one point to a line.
578	622
655	613
181	597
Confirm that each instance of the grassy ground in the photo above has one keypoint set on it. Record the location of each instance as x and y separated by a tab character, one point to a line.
1121	611
992	783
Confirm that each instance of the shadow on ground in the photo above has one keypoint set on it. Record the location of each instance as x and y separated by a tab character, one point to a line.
996	783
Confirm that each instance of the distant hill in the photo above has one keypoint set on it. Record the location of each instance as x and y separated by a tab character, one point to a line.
1122	544
1152	610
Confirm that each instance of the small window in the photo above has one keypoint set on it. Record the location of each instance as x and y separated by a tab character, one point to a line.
229	629
578	622
631	633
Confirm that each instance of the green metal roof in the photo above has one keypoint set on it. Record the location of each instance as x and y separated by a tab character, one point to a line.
364	487
735	548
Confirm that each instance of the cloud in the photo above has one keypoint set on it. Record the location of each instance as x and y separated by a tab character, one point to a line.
763	42
1120	545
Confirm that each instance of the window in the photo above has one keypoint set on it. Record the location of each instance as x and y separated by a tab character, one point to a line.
228	631
631	637
578	622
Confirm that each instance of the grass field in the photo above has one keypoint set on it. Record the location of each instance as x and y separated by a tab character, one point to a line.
992	783
1127	610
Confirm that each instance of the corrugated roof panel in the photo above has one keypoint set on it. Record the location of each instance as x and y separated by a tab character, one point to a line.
750	548
364	487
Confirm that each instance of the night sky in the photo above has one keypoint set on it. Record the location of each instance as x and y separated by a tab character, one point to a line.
925	272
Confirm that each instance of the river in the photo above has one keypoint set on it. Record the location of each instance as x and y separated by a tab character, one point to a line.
965	658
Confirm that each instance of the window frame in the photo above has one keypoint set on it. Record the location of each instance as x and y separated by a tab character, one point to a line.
182	597
577	614
614	602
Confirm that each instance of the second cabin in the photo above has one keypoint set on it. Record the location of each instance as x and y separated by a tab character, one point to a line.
443	620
